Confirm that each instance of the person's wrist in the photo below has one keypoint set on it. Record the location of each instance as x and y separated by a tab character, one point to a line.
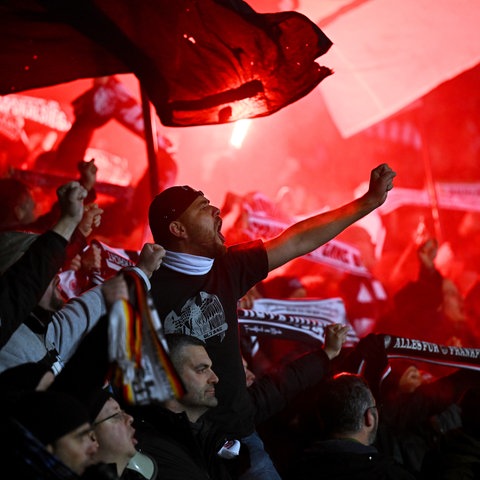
147	271
66	226
331	352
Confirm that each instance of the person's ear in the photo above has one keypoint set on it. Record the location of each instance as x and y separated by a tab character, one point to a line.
369	417
19	212
177	229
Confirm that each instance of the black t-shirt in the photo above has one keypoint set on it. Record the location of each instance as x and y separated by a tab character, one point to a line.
205	306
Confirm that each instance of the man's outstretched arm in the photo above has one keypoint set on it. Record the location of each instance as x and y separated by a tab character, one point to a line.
309	234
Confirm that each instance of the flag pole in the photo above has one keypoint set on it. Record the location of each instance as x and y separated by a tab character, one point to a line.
151	143
430	182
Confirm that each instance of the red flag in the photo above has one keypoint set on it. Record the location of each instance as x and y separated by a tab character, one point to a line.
200	62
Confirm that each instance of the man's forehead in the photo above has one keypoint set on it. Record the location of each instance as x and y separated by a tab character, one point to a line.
195	354
200	199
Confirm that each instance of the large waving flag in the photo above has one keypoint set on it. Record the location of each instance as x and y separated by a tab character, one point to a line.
200	62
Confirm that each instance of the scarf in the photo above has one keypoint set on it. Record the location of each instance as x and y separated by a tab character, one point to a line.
186	263
141	368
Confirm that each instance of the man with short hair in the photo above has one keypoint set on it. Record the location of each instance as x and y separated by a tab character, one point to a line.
348	417
113	431
194	367
201	280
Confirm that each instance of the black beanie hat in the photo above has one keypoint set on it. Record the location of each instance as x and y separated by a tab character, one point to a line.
95	401
167	206
49	415
25	376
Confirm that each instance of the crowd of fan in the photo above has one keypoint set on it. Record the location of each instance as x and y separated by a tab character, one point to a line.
315	414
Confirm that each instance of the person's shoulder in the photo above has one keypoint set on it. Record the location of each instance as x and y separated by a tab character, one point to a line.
253	247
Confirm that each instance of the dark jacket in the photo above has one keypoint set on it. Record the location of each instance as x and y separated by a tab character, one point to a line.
273	392
455	457
184	450
23	284
180	449
346	460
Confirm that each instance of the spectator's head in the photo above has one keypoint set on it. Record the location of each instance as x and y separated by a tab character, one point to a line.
167	207
52	300
112	428
61	423
360	238
18	206
347	409
453	306
182	220
12	246
194	367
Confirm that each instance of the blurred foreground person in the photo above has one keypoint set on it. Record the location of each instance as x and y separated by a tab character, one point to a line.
50	436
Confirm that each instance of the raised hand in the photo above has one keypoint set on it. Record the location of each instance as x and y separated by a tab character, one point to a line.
335	336
381	182
70	199
150	258
427	253
92	217
88	173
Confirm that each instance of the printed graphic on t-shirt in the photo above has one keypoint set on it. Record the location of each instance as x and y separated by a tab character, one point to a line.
202	316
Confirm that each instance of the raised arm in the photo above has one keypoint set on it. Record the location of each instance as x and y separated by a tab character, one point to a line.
70	198
309	234
23	283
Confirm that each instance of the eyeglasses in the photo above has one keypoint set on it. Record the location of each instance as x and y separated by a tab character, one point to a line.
117	416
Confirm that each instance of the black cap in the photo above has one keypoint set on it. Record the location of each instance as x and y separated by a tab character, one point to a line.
49	415
95	401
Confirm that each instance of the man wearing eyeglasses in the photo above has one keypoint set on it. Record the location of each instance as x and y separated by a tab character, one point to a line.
114	432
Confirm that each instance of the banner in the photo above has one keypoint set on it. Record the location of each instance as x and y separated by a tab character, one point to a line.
305	321
450	356
334	253
112	261
42	111
451	196
138	351
300	320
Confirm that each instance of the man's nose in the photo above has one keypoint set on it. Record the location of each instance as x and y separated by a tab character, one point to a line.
213	377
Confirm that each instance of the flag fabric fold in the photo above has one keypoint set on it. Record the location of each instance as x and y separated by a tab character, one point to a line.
200	62
141	367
